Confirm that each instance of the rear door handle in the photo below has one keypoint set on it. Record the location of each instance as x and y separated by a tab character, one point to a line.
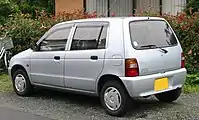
57	57
94	57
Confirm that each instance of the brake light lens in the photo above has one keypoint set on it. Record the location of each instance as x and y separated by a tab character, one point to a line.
182	60
131	68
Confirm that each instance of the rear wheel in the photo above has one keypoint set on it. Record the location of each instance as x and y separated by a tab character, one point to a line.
21	83
169	96
115	99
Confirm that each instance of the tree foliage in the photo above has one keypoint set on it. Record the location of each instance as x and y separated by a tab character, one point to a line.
29	6
6	9
194	5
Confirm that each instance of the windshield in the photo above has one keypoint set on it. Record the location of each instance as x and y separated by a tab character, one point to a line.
151	33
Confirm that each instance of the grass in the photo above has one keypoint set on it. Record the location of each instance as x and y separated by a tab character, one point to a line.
5	83
191	85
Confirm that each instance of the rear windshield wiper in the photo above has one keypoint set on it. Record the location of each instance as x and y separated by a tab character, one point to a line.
154	46
148	46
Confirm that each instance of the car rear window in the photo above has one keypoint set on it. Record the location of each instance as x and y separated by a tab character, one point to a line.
147	34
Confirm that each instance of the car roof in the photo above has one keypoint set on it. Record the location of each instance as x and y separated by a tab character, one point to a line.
105	19
111	19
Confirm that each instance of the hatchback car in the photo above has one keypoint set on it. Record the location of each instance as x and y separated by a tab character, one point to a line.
113	58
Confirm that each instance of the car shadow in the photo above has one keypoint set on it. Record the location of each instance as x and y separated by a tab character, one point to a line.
139	108
71	98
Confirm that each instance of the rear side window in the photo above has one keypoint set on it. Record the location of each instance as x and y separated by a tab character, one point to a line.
149	34
89	38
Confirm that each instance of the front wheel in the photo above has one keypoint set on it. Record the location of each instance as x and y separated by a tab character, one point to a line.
115	99
21	83
169	96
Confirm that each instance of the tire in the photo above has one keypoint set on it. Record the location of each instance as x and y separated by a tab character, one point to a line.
27	88
125	98
169	96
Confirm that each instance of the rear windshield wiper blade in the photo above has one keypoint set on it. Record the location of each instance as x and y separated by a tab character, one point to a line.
154	46
148	46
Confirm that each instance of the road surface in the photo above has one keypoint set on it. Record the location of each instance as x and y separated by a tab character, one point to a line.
48	105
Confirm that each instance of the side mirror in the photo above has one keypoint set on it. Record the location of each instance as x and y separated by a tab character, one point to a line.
35	47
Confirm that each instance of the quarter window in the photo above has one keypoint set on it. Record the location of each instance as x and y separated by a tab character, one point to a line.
90	37
56	41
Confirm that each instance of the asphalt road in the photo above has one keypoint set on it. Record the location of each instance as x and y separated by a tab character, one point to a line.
10	114
48	105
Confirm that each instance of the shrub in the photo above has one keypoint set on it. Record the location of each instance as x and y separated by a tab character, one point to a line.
187	30
25	31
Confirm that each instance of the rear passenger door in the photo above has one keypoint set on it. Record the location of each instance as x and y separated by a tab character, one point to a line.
85	58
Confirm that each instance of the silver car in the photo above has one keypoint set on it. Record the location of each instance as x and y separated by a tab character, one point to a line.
113	58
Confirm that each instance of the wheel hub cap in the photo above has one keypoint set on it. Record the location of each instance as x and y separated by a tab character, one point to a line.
112	98
20	83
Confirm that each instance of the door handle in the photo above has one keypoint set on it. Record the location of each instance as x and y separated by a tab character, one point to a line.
57	57
94	57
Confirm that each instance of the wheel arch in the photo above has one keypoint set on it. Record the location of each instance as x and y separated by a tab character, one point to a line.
107	77
16	67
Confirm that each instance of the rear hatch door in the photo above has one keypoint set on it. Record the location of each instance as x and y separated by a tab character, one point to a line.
156	46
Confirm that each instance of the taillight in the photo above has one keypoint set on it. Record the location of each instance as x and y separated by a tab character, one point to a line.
182	60
131	68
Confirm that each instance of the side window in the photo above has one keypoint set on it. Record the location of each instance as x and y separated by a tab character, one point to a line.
89	38
56	41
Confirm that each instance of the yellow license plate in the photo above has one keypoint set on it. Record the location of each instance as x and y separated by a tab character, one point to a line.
161	84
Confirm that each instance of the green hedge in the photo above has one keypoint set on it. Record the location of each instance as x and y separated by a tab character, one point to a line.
25	31
187	30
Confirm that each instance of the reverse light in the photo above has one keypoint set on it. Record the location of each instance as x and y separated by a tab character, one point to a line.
131	68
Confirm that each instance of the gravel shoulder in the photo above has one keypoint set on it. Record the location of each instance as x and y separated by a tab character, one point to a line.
65	106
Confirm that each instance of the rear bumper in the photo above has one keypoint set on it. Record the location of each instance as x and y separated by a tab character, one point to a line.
144	85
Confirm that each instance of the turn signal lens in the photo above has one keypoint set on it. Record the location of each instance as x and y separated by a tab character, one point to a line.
131	68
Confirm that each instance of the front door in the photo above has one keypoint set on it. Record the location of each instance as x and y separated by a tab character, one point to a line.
85	59
47	63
